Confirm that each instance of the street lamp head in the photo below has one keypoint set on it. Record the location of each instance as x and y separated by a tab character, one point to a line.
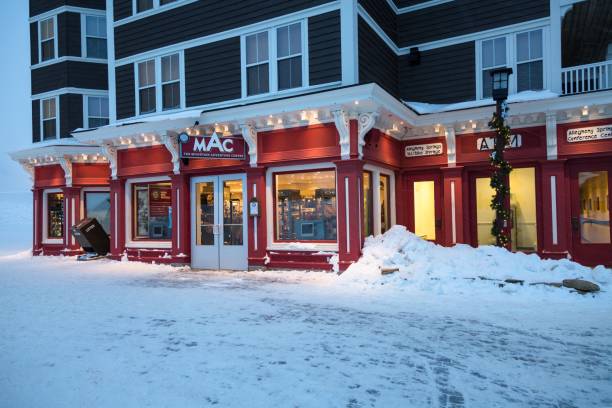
500	78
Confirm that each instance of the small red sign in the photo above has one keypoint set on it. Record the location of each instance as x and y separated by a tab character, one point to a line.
160	198
212	147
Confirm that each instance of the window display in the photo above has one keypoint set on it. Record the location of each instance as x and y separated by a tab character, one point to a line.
385	201
368	202
153	211
97	205
55	215
306	206
232	212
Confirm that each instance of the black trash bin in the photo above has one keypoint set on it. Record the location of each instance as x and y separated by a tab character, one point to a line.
92	237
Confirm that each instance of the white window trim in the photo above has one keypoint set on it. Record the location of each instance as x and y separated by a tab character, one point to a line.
57	119
157	8
308	246
511	58
158	84
55	35
84	37
273	61
376	172
45	218
129	241
86	109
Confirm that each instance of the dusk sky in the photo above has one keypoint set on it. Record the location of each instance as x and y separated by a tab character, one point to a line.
15	104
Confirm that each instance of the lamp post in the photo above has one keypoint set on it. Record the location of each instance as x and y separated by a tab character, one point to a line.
501	168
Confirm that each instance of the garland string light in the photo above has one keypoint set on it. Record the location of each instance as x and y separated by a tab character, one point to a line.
499	179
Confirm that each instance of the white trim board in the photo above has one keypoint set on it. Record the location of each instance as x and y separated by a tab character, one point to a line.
157	8
65	9
494	32
63	91
68	58
235	32
420	6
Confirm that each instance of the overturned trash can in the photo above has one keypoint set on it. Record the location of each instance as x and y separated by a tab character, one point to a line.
92	238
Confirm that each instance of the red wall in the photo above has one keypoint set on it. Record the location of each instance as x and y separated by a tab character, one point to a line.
313	142
48	176
383	149
533	146
143	161
90	174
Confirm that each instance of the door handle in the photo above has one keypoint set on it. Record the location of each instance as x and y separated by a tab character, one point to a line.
216	229
575	223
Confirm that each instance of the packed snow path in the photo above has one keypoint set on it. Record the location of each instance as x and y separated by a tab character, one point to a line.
109	334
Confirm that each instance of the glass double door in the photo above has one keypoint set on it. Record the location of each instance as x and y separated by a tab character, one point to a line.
219	222
590	208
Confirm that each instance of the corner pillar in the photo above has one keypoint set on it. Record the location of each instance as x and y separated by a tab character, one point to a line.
555	214
37	209
349	199
453	212
117	217
257	225
181	218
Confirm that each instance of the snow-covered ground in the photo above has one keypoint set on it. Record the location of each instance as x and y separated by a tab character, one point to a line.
109	334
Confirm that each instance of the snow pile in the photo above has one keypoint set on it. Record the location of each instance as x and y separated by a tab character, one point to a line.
424	263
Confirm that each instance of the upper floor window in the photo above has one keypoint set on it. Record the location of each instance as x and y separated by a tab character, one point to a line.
160	84
47	39
529	61
49	116
273	60
95	37
144	5
97	111
523	52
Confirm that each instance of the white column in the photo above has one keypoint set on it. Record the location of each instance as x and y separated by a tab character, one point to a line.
551	135
451	149
348	40
554	47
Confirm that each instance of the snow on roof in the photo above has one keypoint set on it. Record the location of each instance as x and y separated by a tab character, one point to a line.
427	108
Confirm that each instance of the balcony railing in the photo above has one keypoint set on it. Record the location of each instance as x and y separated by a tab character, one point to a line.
587	78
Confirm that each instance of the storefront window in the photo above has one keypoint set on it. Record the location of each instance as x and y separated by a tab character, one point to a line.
523	207
97	205
368	215
424	210
153	211
385	202
55	215
594	211
484	213
306	206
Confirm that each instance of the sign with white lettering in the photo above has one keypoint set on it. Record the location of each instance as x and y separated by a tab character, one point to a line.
431	149
488	143
589	133
211	147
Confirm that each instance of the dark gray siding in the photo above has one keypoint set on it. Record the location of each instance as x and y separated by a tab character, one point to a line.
377	62
35	121
69	74
34	43
445	75
383	14
465	16
198	19
408	3
124	86
210	79
40	6
324	48
71	113
122	9
69	34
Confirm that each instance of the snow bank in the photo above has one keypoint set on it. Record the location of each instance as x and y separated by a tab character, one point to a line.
423	263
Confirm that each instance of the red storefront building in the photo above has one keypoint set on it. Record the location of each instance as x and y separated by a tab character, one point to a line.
292	177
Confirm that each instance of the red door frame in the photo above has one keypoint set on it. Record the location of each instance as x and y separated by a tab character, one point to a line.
589	254
486	172
429	175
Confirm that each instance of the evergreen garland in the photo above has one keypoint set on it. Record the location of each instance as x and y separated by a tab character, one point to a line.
499	179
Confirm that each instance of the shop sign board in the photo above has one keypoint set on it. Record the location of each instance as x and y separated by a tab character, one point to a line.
211	147
430	149
160	199
488	143
589	133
